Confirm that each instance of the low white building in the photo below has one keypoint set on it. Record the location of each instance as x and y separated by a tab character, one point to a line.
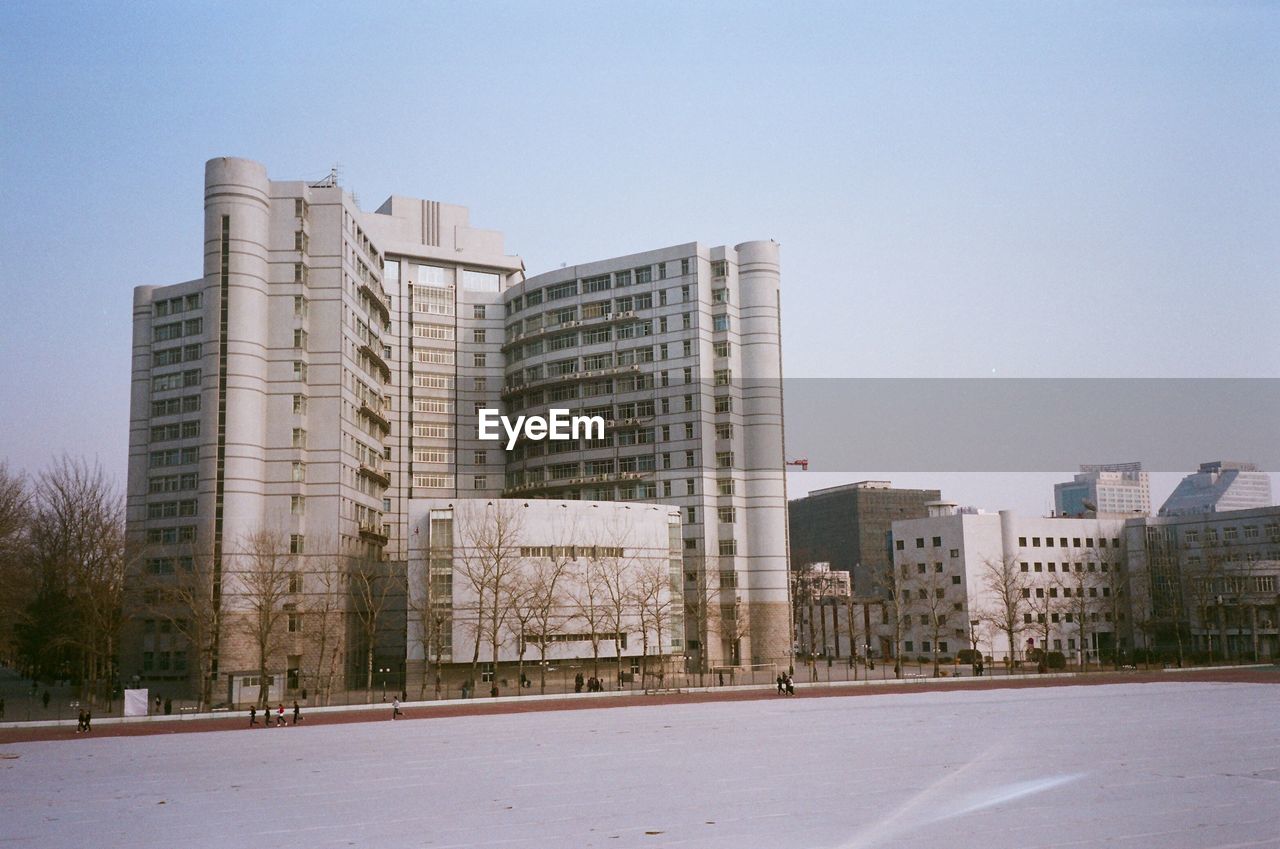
1006	584
521	582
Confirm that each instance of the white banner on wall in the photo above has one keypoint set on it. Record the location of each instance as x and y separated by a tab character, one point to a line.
135	702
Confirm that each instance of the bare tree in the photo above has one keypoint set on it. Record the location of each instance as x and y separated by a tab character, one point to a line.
1005	583
1080	604
1046	607
325	612
701	600
588	599
371	586
489	561
188	599
889	584
543	604
651	593
263	566
927	590
616	567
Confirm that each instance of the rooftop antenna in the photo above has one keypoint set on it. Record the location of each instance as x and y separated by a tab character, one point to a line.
329	181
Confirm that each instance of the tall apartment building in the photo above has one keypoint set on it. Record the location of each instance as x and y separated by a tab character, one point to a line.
848	526
328	367
679	351
1217	487
1107	490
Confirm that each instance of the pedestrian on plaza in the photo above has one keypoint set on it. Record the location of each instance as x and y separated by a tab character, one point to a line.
577	683
80	723
395	708
253	715
782	685
1	708
157	704
493	690
45	699
297	712
88	721
280	715
791	686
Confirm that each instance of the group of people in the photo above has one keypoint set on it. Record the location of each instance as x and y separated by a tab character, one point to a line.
266	715
786	687
593	684
86	717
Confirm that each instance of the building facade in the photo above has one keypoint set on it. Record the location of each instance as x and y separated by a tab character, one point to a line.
1218	487
328	368
542	582
1007	584
1109	491
679	351
848	527
1206	584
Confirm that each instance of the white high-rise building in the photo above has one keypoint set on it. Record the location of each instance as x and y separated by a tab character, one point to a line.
1219	487
328	366
1108	490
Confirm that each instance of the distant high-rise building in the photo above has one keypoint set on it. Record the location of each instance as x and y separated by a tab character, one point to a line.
1107	490
848	527
1217	487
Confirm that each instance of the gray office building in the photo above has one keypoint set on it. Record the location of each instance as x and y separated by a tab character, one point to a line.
848	526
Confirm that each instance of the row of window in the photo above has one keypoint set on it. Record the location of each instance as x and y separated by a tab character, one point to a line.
175	456
175	430
177	329
172	306
174	356
177	380
171	509
175	406
600	283
1066	567
173	483
1232	533
171	535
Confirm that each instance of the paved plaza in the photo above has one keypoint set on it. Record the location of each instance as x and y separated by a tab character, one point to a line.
1178	764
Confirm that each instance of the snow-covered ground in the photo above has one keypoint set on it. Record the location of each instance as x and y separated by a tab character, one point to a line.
1142	765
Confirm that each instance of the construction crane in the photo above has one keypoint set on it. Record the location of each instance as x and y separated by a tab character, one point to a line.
802	462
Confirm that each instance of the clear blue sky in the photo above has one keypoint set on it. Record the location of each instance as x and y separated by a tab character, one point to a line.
1035	189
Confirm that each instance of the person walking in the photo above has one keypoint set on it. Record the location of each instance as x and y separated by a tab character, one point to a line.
80	723
253	715
280	715
395	708
88	721
297	712
45	699
791	686
782	685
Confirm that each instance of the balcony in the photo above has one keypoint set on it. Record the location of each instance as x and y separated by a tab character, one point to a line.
512	389
373	533
514	339
378	361
375	416
376	475
376	300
